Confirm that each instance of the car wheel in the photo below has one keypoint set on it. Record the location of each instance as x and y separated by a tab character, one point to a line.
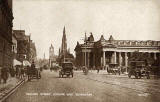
148	77
136	75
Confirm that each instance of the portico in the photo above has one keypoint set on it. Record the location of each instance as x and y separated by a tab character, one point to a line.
104	52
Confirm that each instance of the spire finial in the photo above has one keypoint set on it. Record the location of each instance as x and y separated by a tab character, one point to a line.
64	30
85	39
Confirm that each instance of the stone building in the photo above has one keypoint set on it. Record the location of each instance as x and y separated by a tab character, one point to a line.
6	18
52	56
14	51
32	52
104	52
22	45
26	49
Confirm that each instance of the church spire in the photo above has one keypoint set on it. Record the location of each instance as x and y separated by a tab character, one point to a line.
64	42
64	30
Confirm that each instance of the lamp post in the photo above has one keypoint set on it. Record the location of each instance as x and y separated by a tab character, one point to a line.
85	53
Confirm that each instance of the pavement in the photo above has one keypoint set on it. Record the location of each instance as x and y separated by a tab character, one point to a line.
9	87
92	87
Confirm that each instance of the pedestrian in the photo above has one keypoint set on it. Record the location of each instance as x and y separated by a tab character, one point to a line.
29	73
33	69
98	69
4	74
21	72
17	71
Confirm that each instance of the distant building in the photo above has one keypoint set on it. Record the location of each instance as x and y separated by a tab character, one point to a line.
52	56
104	52
64	53
22	45
14	46
26	49
32	52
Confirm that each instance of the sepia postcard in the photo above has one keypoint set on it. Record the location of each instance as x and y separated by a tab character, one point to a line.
79	50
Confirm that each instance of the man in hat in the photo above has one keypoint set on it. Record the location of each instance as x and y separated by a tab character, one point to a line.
32	69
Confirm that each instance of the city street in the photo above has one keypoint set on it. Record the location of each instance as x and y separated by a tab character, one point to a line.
87	88
79	51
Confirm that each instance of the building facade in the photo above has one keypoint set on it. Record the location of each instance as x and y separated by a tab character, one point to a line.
52	56
26	49
104	52
32	52
22	45
6	18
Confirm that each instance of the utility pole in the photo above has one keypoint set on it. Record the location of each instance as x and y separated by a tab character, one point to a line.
85	42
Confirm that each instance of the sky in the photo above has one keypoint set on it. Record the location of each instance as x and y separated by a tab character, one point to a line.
123	19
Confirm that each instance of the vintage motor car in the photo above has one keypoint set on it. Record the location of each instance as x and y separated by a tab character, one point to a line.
113	68
66	69
138	69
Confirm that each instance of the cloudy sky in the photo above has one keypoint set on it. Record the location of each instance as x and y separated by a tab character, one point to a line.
124	19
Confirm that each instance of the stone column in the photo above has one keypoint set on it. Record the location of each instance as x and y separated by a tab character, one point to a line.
155	56
120	59
83	59
104	58
114	57
93	60
126	62
101	61
88	59
126	59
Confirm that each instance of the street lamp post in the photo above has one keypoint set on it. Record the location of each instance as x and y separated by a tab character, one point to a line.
85	53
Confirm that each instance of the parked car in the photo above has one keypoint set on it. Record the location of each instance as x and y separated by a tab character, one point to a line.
67	69
113	68
138	69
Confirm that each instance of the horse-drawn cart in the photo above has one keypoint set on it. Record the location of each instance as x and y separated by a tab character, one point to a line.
34	73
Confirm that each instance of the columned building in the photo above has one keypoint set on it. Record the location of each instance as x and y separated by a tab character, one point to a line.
104	52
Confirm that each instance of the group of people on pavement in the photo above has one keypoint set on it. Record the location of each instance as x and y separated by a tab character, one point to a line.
18	71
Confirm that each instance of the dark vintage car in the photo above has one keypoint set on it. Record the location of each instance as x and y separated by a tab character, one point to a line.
113	68
138	69
66	69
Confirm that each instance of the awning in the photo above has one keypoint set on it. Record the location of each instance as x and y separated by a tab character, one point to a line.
16	62
26	63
